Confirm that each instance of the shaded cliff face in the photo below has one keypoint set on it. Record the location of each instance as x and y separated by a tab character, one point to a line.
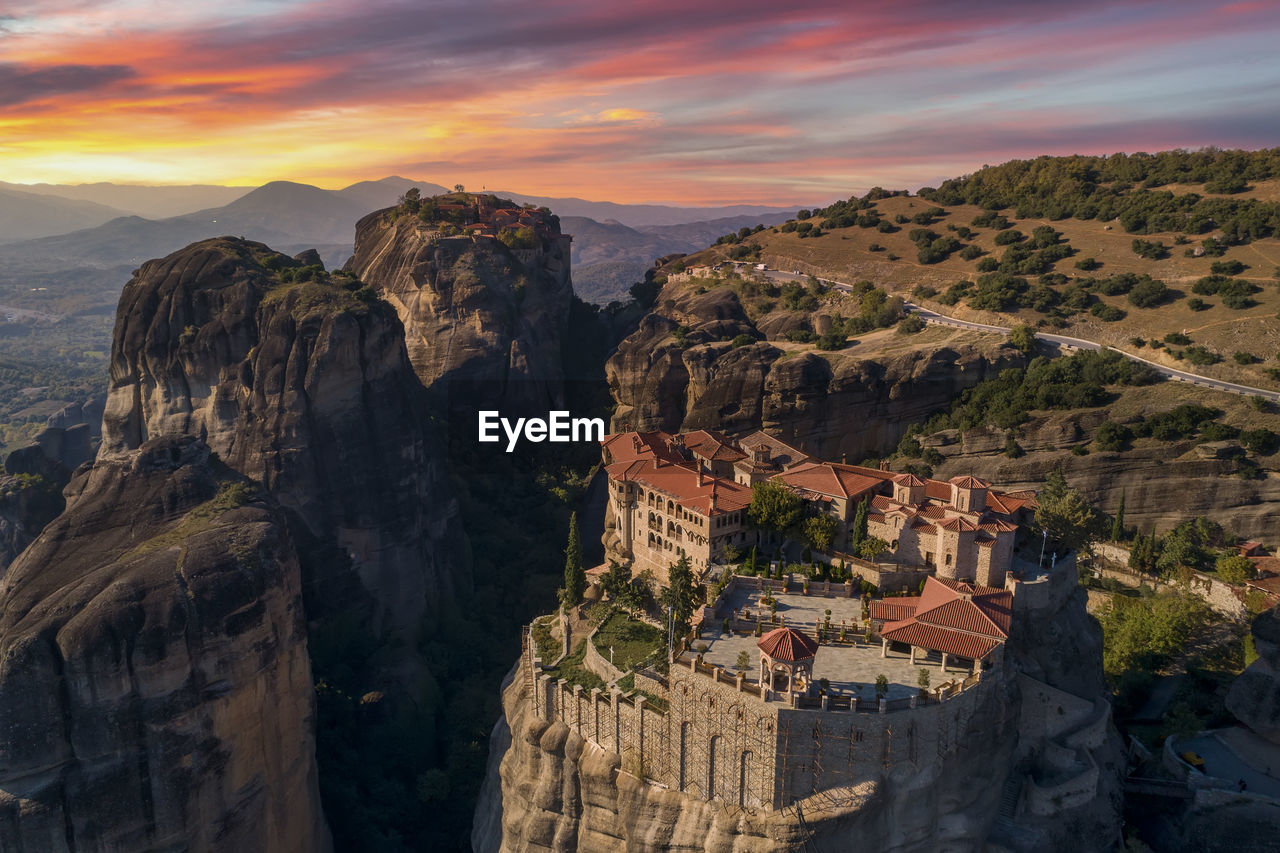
33	478
488	319
306	387
155	686
680	370
1254	696
27	504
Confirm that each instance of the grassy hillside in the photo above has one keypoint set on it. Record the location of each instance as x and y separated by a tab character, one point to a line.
1168	260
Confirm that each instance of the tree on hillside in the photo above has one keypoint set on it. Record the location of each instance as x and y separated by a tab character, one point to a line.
1144	633
819	530
1071	521
1023	337
1143	554
774	507
858	532
637	595
683	595
1235	569
575	577
616	580
870	548
1117	523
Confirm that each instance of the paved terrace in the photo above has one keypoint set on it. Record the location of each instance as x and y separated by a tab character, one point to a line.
852	671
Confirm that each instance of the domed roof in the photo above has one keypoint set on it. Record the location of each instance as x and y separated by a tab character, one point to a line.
788	644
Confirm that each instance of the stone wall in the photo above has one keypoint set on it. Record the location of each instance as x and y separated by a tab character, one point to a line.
598	663
1049	712
1047	800
1219	595
719	740
616	722
1045	593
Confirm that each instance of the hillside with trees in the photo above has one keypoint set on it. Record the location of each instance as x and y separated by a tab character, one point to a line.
1171	256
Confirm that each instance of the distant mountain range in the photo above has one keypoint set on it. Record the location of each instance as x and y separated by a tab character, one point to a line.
47	228
147	202
608	257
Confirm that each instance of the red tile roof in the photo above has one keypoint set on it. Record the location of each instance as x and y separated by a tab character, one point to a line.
788	644
939	639
712	496
712	445
908	480
780	453
970	483
988	607
952	616
894	609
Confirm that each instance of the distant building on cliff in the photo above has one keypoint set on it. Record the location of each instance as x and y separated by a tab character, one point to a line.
686	495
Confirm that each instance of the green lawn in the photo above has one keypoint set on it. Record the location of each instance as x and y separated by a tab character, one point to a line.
634	643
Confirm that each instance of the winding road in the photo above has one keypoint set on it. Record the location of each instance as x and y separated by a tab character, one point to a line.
1061	341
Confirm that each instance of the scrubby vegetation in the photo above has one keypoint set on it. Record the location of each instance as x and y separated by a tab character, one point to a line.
1125	187
1078	381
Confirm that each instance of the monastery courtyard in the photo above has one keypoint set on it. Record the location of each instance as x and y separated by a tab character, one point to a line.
851	670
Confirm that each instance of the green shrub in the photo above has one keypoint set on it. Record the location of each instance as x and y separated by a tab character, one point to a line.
1232	267
1149	294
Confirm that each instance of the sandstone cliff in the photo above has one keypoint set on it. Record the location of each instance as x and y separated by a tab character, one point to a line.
1163	483
305	386
155	686
681	370
475	312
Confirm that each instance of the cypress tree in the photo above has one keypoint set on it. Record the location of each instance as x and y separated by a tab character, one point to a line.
859	532
575	577
1117	524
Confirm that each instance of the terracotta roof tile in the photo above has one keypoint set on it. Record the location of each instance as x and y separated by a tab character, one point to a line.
894	609
970	483
939	639
788	644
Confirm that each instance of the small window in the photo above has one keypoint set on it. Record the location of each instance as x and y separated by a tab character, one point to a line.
948	559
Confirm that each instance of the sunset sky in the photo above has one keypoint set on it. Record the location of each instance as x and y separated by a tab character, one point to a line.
684	102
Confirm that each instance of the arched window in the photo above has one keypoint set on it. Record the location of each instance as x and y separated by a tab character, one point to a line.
744	779
711	767
893	546
948	559
684	746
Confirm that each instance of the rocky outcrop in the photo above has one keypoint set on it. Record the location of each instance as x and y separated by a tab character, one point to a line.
681	370
488	319
1254	696
1163	484
155	686
306	387
1038	768
31	486
27	503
